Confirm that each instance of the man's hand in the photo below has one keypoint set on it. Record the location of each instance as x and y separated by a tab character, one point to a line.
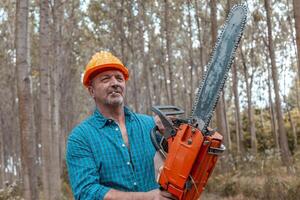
159	195
159	124
151	195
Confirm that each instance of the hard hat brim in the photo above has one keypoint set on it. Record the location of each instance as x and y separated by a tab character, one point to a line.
91	73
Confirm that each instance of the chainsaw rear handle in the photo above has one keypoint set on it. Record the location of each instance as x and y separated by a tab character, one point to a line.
155	138
167	110
159	142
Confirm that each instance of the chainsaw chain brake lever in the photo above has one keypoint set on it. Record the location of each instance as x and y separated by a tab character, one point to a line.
163	112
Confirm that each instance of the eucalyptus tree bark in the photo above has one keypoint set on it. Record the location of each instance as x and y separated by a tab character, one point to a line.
238	123
56	73
220	109
296	5
45	95
168	49
285	153
154	57
2	166
292	123
190	52
133	55
164	80
8	135
272	110
28	158
122	32
199	69
251	122
144	55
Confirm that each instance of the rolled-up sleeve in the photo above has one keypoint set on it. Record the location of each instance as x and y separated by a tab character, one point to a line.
82	170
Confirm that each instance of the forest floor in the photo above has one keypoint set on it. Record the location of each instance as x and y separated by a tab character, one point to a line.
263	178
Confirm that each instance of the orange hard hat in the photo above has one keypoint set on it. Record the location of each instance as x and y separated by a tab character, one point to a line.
100	62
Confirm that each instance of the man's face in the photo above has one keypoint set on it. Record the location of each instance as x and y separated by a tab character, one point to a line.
108	88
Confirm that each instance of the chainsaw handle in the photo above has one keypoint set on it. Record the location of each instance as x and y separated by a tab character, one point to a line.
155	137
167	110
159	142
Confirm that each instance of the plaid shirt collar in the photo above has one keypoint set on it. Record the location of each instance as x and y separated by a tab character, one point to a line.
101	120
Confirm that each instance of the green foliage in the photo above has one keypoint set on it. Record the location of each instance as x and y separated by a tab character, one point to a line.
262	179
263	128
11	192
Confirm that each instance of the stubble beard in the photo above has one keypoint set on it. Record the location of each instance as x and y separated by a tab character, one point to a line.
115	101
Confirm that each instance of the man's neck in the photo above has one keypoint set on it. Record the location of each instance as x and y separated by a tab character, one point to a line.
113	112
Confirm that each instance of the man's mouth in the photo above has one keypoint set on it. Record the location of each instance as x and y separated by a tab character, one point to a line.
115	92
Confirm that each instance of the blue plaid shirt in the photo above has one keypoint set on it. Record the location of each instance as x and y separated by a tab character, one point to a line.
98	159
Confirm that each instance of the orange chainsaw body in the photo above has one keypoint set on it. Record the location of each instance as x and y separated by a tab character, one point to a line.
191	159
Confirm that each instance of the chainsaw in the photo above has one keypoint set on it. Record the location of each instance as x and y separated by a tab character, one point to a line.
189	148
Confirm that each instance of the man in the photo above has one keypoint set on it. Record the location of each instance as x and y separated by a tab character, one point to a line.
110	155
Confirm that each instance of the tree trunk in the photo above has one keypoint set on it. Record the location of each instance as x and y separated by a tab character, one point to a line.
293	127
296	4
133	56
56	73
2	166
238	124
45	95
190	52
145	57
295	46
251	122
283	142
168	48
28	153
122	32
201	67
272	111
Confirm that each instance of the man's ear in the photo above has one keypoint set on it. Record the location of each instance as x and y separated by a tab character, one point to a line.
91	91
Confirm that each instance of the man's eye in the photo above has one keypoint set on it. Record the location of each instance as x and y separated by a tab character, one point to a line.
119	78
104	79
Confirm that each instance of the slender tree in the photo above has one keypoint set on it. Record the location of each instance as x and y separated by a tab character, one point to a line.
238	123
190	53
251	123
296	5
45	95
56	73
168	49
28	158
283	142
200	69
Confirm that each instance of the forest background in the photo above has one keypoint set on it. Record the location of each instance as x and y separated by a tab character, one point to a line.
166	44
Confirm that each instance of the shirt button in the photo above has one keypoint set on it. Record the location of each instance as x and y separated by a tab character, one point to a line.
123	145
117	129
134	183
128	163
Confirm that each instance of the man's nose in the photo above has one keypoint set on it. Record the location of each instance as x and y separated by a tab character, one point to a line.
114	81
